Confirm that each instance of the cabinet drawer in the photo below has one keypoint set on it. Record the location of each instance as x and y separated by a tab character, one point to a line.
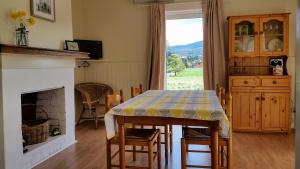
246	82
276	82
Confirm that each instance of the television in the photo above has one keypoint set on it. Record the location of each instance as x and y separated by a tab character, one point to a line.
91	46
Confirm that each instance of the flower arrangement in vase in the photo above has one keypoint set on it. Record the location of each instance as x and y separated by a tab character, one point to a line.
22	21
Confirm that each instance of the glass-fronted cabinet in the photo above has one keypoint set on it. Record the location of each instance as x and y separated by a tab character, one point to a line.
245	38
273	36
258	35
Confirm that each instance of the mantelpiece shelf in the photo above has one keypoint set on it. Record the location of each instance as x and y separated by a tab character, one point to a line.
4	48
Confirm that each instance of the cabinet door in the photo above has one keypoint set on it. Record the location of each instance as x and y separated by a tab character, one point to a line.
244	39
246	111
274	36
275	111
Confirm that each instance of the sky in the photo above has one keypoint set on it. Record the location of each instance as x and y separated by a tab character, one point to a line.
184	31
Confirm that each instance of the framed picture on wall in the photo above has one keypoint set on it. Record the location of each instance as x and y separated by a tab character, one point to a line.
72	45
44	9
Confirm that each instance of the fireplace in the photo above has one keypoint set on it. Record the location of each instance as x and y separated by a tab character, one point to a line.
49	76
43	117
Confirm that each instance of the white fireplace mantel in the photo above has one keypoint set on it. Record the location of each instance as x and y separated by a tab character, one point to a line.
25	69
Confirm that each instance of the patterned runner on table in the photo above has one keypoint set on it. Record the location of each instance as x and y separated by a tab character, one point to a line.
200	105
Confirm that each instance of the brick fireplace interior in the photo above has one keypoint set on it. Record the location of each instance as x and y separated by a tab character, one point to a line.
41	107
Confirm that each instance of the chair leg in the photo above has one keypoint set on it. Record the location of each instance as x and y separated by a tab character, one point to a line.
95	118
223	156
134	153
150	155
158	151
183	153
142	127
220	156
229	154
166	144
81	113
108	154
171	138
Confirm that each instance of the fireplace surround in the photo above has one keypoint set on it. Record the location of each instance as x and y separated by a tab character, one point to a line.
25	70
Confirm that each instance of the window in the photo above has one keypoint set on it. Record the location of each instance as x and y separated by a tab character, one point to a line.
184	33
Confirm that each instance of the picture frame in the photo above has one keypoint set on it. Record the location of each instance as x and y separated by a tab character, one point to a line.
44	9
72	45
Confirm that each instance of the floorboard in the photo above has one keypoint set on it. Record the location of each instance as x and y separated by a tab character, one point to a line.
250	151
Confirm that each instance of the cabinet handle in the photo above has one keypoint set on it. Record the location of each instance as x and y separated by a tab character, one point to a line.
255	33
274	82
257	98
263	99
245	82
261	32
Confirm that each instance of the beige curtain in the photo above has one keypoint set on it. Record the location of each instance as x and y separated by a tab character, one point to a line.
214	50
156	60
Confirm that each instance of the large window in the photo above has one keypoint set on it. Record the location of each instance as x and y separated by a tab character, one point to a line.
184	68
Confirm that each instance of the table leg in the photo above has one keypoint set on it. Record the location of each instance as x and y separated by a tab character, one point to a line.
214	147
121	144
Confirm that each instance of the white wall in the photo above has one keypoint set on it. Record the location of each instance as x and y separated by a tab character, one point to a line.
123	28
44	33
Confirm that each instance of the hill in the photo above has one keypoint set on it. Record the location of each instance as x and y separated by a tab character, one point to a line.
188	50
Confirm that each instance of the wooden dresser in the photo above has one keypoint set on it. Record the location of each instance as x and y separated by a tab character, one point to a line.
261	101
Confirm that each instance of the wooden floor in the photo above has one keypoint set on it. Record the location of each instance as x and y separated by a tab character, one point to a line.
250	151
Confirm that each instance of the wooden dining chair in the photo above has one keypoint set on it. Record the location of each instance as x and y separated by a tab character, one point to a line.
93	100
218	91
201	136
134	137
136	90
166	130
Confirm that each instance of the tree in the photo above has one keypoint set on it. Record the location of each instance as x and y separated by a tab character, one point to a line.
175	64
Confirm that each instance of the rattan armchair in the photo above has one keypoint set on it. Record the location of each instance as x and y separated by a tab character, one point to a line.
93	100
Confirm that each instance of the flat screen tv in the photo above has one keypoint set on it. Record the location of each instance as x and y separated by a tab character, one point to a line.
91	46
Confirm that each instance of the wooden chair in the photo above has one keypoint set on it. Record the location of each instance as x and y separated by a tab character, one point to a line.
136	90
134	137
167	129
218	91
93	100
201	136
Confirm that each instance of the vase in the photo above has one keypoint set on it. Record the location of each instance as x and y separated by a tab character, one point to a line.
22	36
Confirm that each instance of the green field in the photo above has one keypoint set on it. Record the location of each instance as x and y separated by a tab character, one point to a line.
188	79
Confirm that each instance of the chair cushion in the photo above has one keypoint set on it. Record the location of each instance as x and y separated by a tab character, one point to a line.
188	132
197	133
143	135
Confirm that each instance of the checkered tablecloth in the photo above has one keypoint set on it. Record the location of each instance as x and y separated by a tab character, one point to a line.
201	105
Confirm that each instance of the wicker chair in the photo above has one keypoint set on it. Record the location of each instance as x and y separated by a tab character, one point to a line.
93	100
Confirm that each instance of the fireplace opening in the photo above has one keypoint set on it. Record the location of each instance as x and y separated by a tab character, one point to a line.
43	117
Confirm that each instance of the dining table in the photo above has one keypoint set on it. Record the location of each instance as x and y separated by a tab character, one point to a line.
170	107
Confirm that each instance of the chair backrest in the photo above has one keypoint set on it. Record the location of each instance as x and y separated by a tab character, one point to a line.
226	102
223	97
136	90
92	93
229	107
218	91
113	100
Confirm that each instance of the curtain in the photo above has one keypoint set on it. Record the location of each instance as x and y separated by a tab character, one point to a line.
156	59
213	38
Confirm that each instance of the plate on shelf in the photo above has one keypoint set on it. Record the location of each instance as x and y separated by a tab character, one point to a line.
250	44
275	45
